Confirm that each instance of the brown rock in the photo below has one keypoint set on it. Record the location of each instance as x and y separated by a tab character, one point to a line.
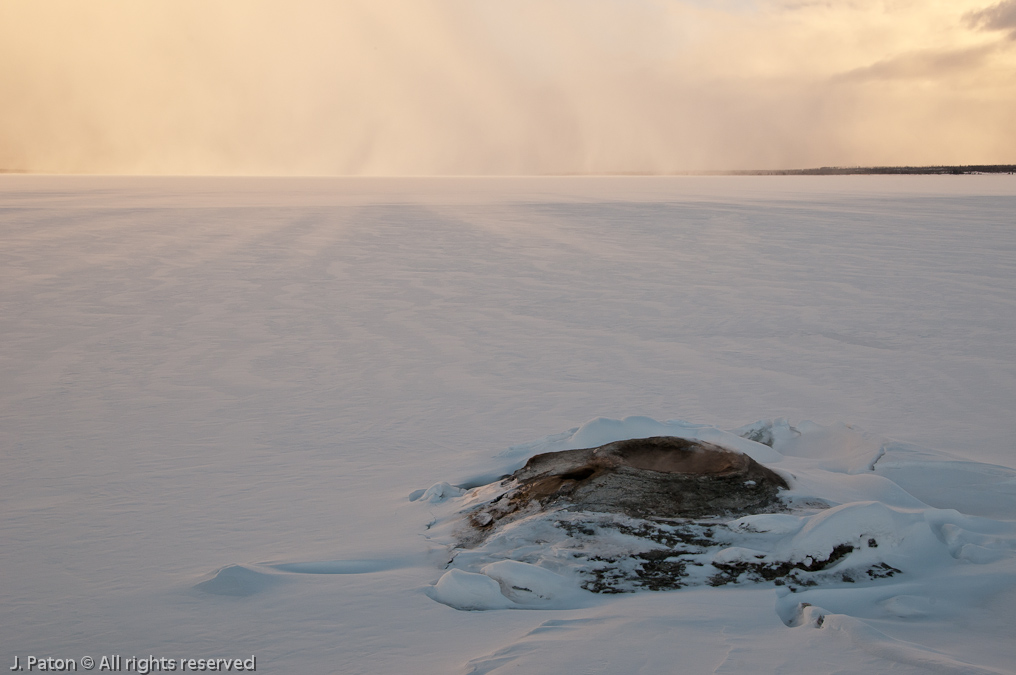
660	477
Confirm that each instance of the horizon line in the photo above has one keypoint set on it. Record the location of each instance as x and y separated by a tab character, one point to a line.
934	169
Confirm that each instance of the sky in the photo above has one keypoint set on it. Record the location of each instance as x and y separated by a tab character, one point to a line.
502	87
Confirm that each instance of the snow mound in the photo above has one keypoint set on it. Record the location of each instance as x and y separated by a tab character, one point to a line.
469	591
507	584
436	493
846	523
238	581
603	430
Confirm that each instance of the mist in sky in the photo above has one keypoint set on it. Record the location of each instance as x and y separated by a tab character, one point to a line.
410	87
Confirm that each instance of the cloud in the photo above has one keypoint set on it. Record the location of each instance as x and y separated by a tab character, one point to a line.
396	87
933	65
997	17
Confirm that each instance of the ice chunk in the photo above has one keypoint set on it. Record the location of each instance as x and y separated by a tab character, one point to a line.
773	523
437	493
529	584
469	591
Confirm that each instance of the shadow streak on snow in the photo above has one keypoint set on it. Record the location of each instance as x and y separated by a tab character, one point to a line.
364	566
246	580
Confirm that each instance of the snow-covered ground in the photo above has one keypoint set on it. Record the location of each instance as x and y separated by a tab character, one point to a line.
218	395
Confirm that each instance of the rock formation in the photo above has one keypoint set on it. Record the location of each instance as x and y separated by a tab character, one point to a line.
661	477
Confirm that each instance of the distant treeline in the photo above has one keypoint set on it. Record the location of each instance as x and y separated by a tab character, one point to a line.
856	170
821	171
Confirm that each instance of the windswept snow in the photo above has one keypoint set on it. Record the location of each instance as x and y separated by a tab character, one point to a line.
219	395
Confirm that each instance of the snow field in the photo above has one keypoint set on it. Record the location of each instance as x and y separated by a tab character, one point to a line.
238	382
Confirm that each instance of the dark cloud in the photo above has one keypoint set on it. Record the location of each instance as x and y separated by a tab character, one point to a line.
997	17
922	65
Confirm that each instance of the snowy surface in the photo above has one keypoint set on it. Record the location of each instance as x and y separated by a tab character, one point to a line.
218	396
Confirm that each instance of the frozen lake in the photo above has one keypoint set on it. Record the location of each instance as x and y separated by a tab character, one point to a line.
204	372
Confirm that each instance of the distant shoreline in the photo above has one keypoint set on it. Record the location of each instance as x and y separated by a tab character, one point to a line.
821	171
877	170
833	171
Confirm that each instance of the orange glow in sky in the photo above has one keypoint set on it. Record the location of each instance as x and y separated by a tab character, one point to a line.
422	87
